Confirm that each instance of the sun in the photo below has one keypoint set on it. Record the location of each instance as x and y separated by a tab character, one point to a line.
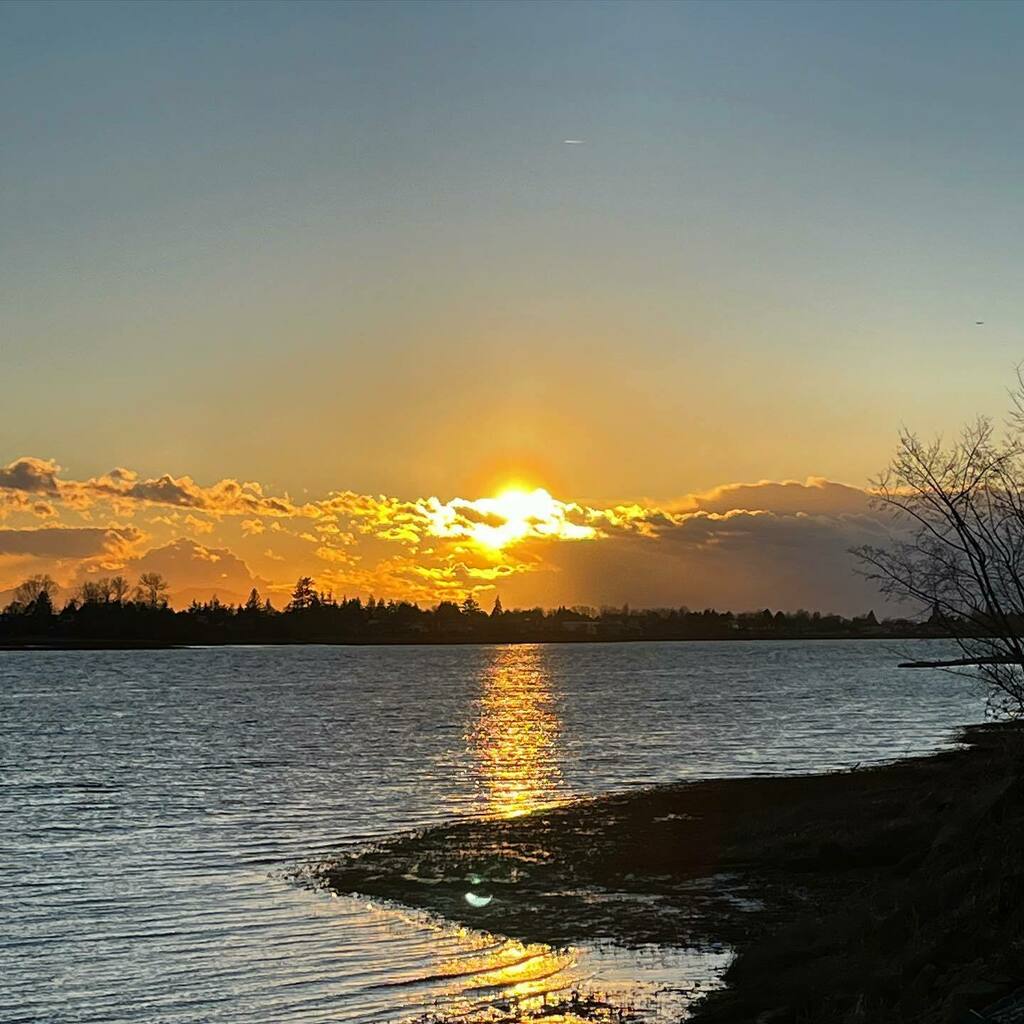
516	509
516	513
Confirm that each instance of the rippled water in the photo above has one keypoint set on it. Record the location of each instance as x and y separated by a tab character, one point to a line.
152	801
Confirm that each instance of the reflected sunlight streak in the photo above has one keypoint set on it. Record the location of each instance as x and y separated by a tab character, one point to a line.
515	742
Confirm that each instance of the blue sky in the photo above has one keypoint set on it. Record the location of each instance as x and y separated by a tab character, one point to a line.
344	246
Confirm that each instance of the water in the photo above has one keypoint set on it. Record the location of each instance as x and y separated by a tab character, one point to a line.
152	801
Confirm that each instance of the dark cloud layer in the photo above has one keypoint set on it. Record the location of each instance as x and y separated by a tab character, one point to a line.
195	570
66	542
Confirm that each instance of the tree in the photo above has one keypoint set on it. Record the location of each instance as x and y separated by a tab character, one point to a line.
253	604
304	595
120	588
957	552
447	616
151	590
104	591
29	591
497	610
42	606
90	592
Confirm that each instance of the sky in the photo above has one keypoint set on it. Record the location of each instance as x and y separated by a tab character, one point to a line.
326	250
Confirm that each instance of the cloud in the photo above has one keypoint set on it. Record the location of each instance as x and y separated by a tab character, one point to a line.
738	560
25	502
468	516
739	545
334	555
68	542
31	475
228	497
815	494
508	518
194	570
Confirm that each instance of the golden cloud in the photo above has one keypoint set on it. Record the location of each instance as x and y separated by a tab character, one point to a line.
227	497
425	548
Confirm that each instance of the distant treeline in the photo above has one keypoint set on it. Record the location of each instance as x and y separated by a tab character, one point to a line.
111	612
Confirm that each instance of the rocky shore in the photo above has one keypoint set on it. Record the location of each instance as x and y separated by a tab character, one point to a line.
887	894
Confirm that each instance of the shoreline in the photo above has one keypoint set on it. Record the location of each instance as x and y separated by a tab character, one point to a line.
892	893
180	645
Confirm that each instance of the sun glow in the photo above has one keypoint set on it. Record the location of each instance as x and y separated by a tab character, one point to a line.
513	515
521	511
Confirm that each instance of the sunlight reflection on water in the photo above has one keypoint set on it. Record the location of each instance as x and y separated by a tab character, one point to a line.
479	978
515	739
515	751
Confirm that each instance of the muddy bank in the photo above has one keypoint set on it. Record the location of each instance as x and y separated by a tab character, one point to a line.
888	894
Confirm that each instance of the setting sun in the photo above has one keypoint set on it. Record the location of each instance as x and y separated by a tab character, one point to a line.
521	510
513	515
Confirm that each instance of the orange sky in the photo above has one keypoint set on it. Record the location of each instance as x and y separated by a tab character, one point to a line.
738	546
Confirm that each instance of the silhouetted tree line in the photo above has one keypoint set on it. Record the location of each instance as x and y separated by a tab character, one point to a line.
113	611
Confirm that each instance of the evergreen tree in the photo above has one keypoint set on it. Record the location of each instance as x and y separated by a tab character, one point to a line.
304	595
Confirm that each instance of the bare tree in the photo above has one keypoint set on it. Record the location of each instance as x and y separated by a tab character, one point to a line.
113	590
958	547
119	589
90	592
151	590
29	591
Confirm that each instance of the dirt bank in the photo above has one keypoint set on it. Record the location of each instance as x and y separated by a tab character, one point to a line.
888	894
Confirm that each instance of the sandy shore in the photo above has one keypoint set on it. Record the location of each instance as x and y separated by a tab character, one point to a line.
888	894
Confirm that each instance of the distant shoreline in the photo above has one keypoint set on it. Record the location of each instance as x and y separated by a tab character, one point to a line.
99	618
893	892
50	644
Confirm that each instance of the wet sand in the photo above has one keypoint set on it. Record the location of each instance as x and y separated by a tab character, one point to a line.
893	893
